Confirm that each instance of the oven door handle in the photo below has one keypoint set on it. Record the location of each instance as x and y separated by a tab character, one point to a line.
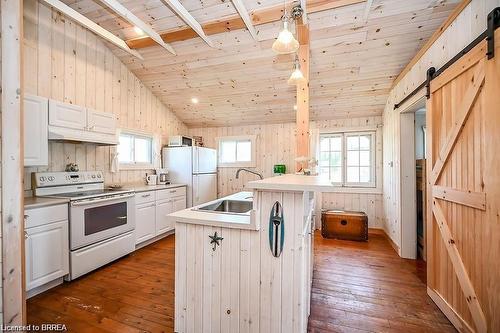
91	202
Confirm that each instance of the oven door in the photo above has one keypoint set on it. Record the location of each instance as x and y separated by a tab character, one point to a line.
94	220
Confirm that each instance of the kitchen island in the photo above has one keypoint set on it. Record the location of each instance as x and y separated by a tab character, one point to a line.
248	271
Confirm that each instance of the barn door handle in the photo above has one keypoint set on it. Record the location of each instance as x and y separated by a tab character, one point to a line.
343	222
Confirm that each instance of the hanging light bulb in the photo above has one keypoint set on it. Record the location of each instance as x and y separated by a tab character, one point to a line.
285	43
297	76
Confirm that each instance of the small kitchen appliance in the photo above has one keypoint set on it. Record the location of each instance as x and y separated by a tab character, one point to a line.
101	220
162	176
180	141
151	179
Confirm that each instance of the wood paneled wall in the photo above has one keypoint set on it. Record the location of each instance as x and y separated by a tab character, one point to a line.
469	24
66	62
276	145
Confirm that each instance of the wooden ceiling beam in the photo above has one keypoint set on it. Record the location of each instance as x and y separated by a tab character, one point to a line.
183	13
130	17
92	26
258	17
245	17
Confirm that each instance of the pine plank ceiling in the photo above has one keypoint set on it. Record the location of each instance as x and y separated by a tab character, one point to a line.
241	81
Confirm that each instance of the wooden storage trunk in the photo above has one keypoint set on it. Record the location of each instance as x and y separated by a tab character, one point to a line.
343	224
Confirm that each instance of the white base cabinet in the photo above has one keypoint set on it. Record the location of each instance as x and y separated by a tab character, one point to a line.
152	208
46	245
145	220
239	286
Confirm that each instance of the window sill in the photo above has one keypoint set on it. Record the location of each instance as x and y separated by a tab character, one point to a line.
237	165
136	167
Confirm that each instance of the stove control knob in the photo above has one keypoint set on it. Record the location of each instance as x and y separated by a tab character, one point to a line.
42	179
98	175
93	176
51	178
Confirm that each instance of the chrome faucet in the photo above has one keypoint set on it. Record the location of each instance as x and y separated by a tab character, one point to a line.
248	170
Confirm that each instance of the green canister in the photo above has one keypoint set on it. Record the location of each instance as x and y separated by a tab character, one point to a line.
280	169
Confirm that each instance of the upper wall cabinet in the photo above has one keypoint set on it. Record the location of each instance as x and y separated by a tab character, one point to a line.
101	122
67	115
36	146
71	122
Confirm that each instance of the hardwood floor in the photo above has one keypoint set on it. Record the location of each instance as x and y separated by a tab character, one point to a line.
357	287
134	294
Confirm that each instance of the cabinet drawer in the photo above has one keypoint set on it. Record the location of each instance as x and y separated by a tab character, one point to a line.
45	215
145	197
171	192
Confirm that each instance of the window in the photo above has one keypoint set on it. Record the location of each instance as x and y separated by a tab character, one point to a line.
237	151
135	150
348	159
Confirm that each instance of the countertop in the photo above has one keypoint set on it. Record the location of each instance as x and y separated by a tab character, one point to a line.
292	182
143	187
225	220
36	202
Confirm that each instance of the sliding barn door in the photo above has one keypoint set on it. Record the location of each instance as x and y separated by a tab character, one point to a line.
463	215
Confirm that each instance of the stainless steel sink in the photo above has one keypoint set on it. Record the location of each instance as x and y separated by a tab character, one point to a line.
228	206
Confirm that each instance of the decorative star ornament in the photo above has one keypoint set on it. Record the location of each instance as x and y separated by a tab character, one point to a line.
215	240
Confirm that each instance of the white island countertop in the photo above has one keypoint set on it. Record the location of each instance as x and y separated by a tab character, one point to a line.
218	219
291	182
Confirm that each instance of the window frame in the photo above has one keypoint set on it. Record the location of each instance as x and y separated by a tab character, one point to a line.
138	165
373	158
248	164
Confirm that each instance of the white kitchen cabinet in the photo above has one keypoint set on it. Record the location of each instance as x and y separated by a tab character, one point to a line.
67	115
46	247
179	203
145	222
152	208
162	210
101	122
76	123
36	144
47	253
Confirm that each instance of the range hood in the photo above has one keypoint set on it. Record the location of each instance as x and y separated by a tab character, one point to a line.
57	133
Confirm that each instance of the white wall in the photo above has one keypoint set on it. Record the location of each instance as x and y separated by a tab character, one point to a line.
276	145
465	28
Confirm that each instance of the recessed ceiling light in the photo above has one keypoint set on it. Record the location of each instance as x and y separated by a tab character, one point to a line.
138	30
194	100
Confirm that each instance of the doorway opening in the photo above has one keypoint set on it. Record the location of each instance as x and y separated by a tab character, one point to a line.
413	179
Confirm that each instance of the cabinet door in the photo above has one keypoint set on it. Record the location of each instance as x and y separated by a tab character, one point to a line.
67	115
179	203
162	222
101	122
36	118
47	253
145	222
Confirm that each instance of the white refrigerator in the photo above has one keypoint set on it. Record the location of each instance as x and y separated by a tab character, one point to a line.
196	167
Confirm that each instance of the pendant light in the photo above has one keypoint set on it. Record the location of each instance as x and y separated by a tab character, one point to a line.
285	43
297	76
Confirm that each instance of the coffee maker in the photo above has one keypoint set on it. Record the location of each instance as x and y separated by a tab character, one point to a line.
162	178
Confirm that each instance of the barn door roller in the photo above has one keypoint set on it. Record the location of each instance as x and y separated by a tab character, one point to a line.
493	23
